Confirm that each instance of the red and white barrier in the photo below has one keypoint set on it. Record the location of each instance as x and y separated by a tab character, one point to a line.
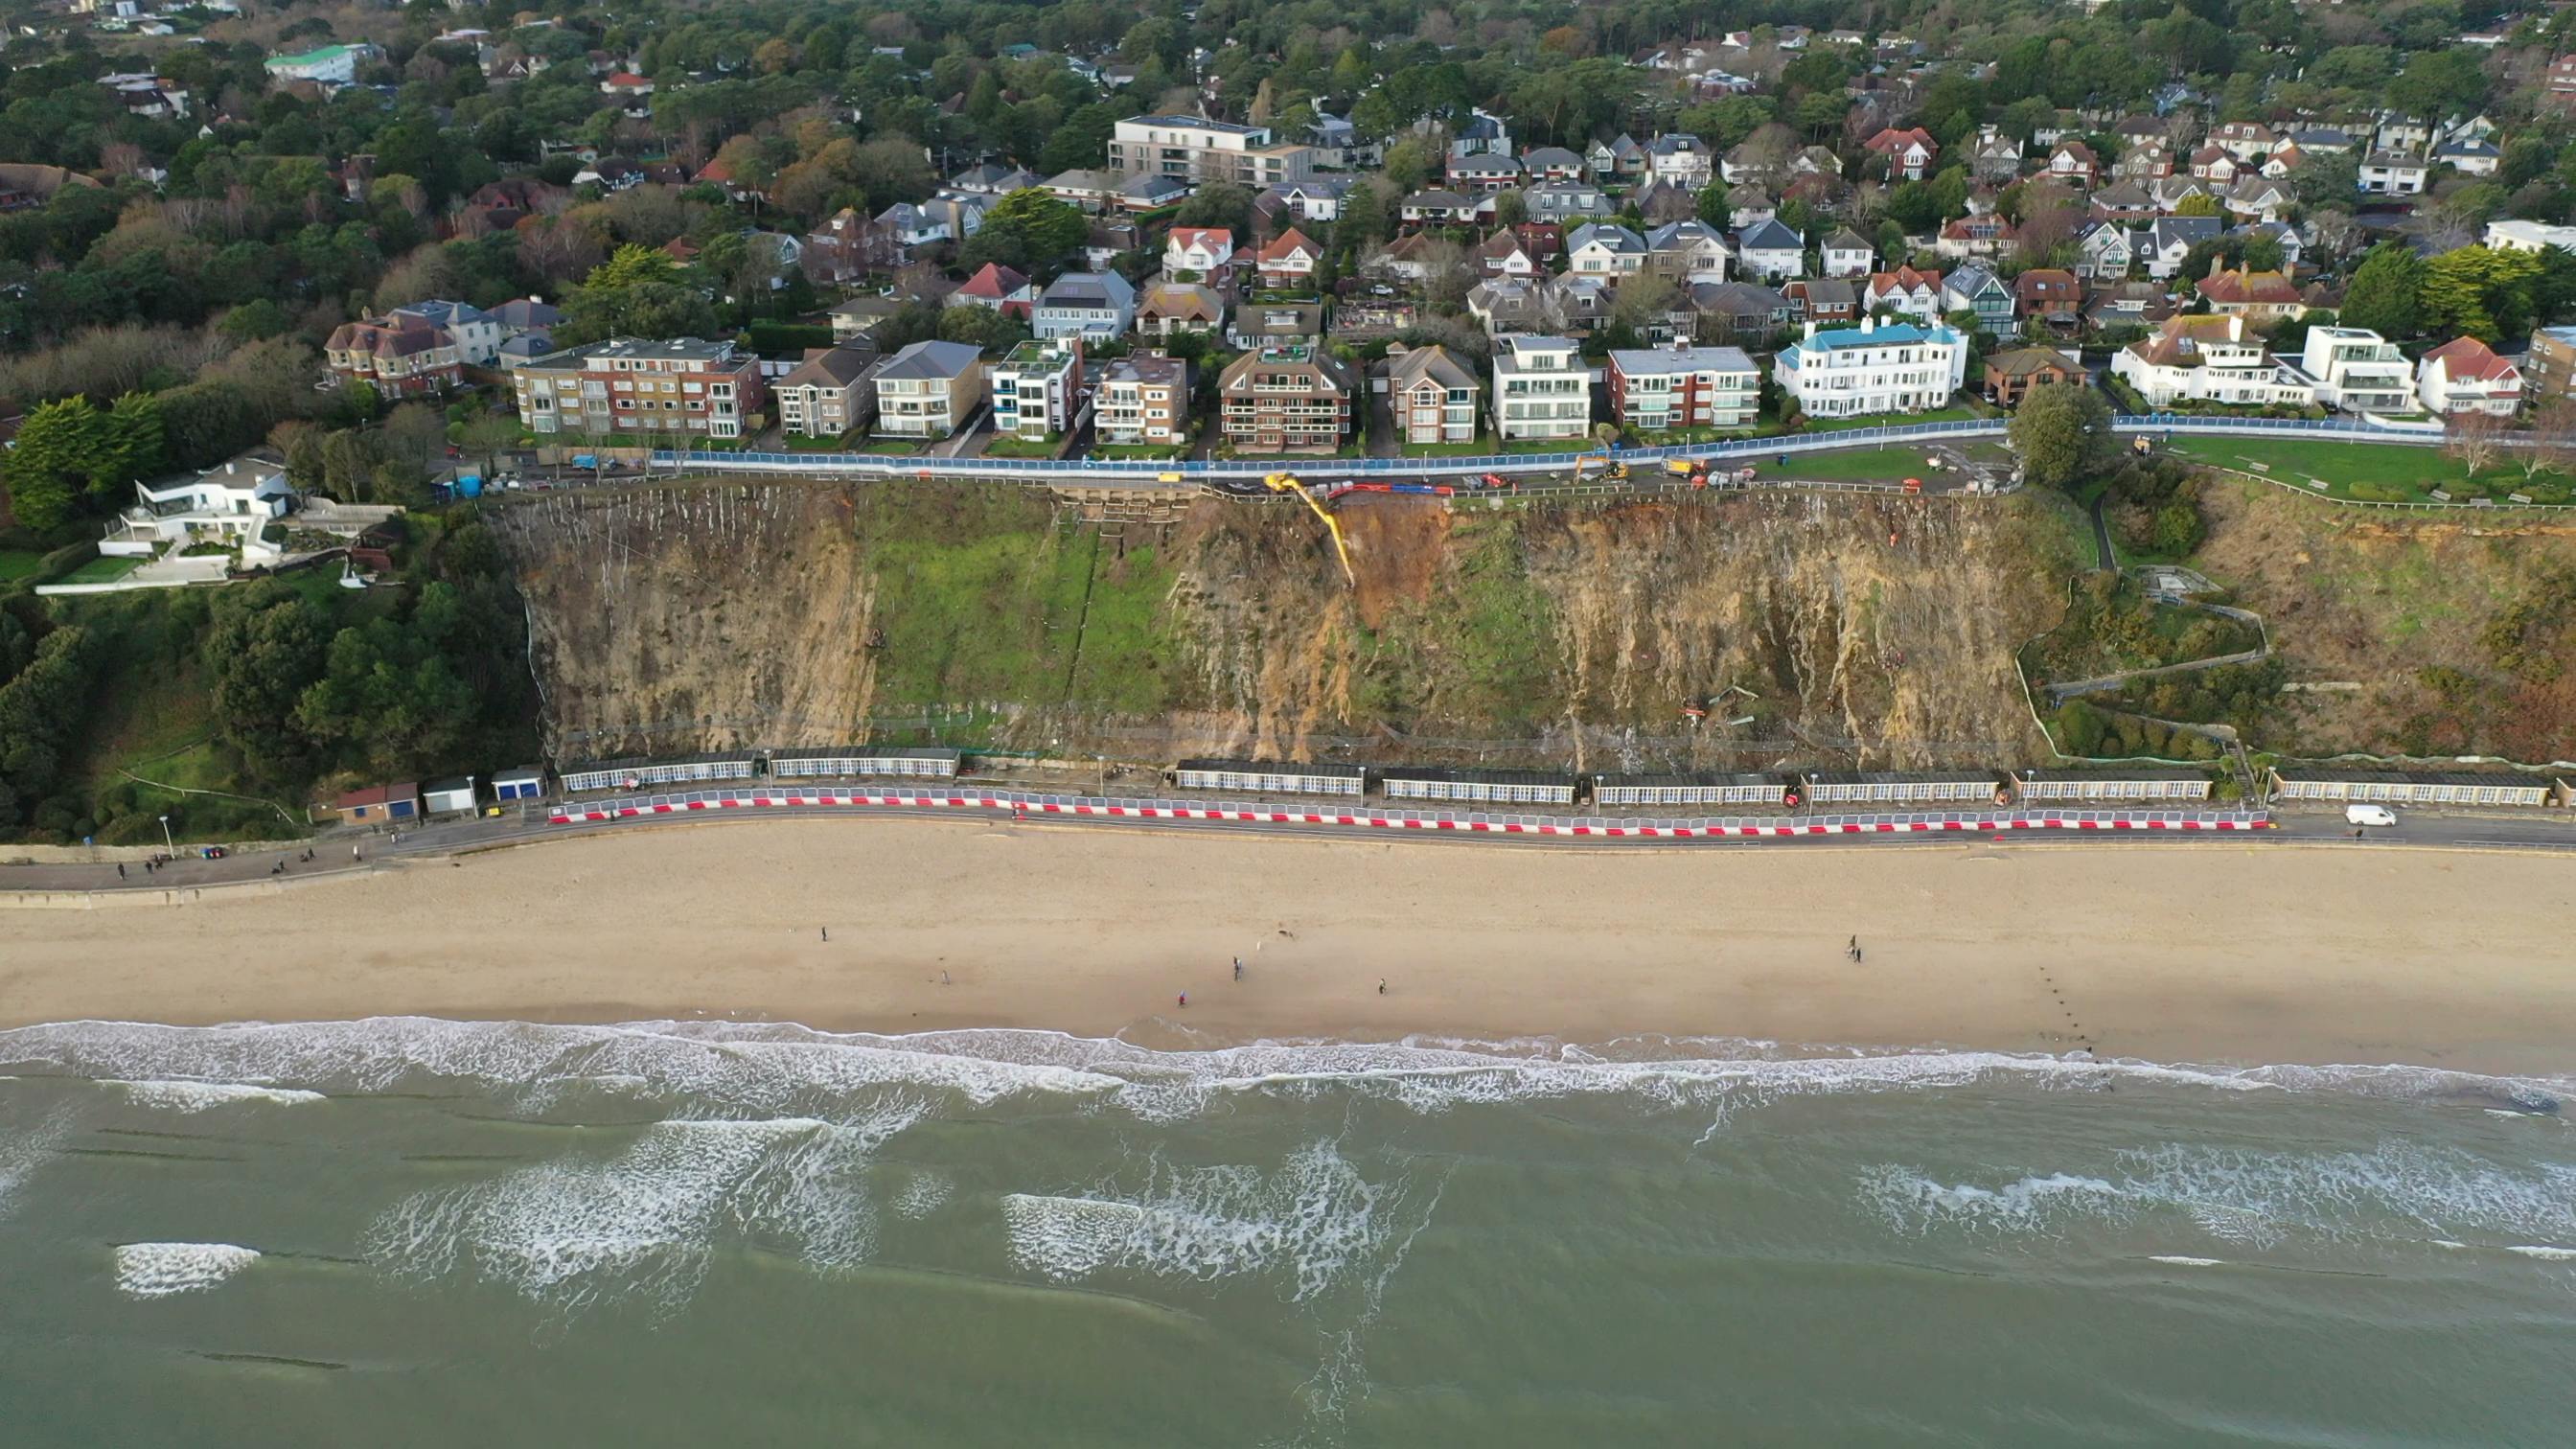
573	812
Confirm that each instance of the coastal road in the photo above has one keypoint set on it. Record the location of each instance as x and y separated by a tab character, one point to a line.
2553	831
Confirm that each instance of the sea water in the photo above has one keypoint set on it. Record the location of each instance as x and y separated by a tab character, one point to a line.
415	1232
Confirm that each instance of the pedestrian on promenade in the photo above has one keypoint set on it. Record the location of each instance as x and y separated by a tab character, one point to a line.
120	870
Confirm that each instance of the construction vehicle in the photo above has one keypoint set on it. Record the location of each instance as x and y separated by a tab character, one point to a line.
1913	485
1611	468
1496	480
1287	483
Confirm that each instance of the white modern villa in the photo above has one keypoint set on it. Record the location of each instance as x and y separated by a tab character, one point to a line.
227	505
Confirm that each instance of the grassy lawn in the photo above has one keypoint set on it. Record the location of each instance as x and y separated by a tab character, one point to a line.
2374	472
1021	448
17	563
799	443
890	446
103	570
1476	449
1551	445
1141	452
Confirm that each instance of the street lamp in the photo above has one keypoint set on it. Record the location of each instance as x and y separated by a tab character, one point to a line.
166	841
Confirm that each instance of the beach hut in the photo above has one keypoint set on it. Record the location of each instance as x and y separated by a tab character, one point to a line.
2330	786
524	783
2079	787
635	774
448	797
1269	777
1610	790
1901	787
1481	787
845	762
379	803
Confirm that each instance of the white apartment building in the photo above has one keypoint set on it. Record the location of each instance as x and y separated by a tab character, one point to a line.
1873	368
2355	370
1034	387
2529	236
2208	358
1542	389
1197	149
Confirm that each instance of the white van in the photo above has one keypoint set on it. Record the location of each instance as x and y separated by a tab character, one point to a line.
2369	815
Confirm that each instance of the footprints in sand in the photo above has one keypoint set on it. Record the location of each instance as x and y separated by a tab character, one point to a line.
2057	1000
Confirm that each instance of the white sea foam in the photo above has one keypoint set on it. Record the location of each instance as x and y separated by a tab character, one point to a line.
646	1221
1309	1222
21	1153
924	1195
187	1096
2238	1195
2543	1251
2182	1262
158	1270
717	1068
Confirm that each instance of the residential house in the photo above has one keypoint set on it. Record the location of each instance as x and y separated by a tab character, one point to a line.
2074	163
1097	305
1974	288
2393	173
2124	304
1438	208
1542	388
1197	250
2245	140
2261	198
1035	388
1269	324
2529	236
1750	205
831	394
1552	163
639	389
2011	375
2214	164
1846	253
2103	250
2323	140
1138	195
1142	400
1537	304
1987	236
2245	292
846	248
1728	311
996	288
859	317
1196	149
1291	397
1432	396
1604	249
1482	134
1915	294
1288	260
1621	159
1665	388
230	505
1769	251
2048	296
1910	153
1410	257
1317	198
929	389
1897	367
2211	359
1563	201
2150	162
1472	174
2168	240
1827	300
2465	375
1995	157
1170	308
2469	157
1365	318
2355	370
1503	254
397	355
1691	251
1681	161
329	66
1093	191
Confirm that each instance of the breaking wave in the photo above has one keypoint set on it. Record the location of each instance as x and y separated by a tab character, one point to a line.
2394	1191
726	1069
189	1096
158	1270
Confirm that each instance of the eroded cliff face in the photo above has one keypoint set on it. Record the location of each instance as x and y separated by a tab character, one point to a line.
1814	627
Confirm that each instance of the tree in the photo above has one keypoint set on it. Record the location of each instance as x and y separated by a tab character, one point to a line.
2199	204
1712	206
1025	230
2386	292
1364	212
2061	433
1217	203
264	649
637	292
2473	438
1645	300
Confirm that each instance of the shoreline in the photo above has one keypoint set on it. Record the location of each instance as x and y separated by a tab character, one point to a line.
2246	955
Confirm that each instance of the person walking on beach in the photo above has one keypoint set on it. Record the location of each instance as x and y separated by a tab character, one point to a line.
1185	999
1238	968
827	933
1381	986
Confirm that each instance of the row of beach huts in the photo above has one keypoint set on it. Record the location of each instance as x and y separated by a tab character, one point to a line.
2323	786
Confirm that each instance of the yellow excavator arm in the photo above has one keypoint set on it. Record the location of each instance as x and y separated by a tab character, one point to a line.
1287	483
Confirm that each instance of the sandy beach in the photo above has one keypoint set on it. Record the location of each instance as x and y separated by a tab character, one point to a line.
2219	952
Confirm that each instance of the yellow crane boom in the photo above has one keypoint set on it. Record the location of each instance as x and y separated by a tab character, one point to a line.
1287	483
